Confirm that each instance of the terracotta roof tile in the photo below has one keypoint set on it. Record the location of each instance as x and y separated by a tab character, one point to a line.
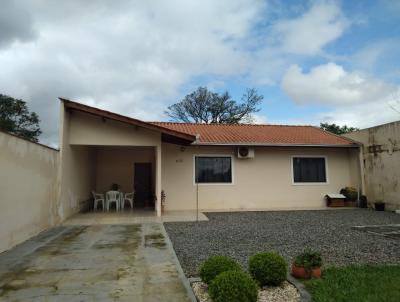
258	134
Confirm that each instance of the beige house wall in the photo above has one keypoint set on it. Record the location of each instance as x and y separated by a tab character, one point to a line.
77	171
381	159
264	182
28	189
86	129
116	165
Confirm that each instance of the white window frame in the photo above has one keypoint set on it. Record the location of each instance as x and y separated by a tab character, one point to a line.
214	183
310	183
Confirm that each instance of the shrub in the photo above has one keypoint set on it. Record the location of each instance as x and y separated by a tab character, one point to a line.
309	259
363	201
215	265
350	193
233	286
268	268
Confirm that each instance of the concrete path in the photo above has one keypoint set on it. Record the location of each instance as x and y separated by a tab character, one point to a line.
94	263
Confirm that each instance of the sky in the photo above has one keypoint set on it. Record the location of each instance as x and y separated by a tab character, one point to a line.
313	61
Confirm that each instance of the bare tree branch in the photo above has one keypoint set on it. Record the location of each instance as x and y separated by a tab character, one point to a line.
204	106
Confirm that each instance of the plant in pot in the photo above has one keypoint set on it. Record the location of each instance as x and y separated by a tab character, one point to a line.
307	265
163	200
115	187
363	202
379	205
351	195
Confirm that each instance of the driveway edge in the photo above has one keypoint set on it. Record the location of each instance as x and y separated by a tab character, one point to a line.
304	294
181	274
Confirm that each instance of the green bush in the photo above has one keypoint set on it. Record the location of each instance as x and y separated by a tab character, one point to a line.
309	259
233	286
350	193
268	268
215	265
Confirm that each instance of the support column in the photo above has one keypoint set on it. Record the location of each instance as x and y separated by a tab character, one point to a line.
158	179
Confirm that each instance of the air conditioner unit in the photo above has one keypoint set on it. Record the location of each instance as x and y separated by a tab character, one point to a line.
245	152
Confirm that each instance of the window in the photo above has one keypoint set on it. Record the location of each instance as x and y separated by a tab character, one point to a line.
309	169
213	169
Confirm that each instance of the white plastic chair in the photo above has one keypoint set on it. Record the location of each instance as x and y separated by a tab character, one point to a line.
98	197
113	196
128	197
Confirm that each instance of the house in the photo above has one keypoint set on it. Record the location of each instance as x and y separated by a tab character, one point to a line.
381	162
210	167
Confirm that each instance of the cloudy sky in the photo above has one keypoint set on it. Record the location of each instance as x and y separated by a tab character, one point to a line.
314	61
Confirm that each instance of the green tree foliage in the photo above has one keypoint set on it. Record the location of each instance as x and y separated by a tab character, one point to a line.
336	129
16	118
205	106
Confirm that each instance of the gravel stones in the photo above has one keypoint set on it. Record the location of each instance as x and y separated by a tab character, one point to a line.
242	234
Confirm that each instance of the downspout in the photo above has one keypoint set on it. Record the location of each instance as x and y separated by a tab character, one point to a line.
197	185
361	170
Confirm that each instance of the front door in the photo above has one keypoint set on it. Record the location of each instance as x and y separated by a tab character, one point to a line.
143	185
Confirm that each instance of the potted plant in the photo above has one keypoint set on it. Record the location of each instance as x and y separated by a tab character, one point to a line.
379	205
351	196
115	187
307	265
363	202
163	199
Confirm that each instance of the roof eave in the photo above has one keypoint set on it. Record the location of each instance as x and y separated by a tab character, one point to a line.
125	119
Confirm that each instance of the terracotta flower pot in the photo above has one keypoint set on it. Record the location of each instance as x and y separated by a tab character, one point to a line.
299	272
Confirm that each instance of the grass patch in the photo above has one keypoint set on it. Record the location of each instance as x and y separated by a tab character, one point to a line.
364	283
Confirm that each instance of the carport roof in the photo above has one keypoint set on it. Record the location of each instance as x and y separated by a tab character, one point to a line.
169	135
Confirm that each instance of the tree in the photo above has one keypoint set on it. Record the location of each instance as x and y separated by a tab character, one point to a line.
336	129
204	106
15	118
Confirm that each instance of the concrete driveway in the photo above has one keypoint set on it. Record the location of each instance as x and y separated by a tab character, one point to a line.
94	263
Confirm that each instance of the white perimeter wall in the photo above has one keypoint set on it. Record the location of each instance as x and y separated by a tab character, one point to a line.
28	189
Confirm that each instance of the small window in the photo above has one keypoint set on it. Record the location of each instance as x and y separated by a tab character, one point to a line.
309	169
213	169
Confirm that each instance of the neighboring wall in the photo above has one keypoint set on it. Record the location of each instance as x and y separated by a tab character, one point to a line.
381	152
264	182
28	189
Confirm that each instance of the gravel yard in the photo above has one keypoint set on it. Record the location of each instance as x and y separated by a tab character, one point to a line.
242	234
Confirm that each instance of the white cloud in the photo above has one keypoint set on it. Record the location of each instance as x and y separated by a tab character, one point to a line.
361	115
126	56
292	40
332	84
259	119
357	100
309	33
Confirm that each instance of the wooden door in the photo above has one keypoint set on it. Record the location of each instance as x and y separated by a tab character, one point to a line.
143	184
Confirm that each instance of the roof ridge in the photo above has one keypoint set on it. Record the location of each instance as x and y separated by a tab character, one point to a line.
244	124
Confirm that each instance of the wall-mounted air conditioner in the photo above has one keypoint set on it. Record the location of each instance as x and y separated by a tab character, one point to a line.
245	152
